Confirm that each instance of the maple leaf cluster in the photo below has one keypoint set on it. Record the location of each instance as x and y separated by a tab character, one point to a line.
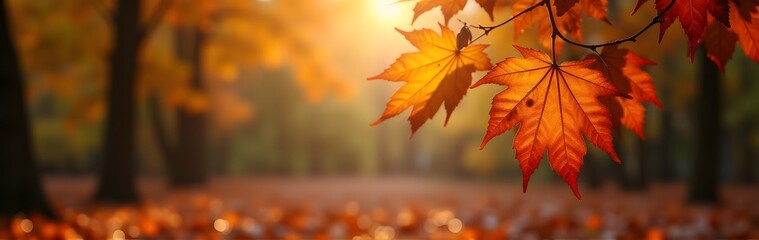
556	104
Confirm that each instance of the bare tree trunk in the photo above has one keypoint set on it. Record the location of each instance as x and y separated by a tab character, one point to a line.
704	176
117	176
20	187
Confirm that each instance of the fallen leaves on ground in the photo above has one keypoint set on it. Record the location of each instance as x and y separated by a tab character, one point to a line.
388	208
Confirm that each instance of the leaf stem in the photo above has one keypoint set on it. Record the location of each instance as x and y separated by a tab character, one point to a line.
553	50
555	30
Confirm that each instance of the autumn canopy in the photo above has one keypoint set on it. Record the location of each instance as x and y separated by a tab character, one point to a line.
556	104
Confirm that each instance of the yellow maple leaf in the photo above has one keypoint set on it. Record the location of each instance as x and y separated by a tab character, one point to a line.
439	73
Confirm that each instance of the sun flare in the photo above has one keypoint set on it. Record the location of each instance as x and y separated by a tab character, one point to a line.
390	11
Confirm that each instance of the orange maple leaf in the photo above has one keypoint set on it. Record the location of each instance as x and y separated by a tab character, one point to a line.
622	68
556	105
448	7
439	73
568	22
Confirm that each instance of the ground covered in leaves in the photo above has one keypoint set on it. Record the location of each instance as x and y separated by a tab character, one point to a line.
388	208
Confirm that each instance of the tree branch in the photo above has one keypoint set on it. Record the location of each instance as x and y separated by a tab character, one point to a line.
486	29
593	47
156	18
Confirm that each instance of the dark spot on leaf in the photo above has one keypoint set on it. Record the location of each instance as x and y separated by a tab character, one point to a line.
438	64
530	102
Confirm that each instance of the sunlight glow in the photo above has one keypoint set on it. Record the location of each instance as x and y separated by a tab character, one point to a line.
388	10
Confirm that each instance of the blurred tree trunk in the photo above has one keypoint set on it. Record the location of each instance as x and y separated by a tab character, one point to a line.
119	169
20	187
219	151
282	119
284	132
187	164
117	176
458	156
633	153
666	170
746	170
591	171
186	160
618	171
704	176
383	158
636	170
347	161
383	136
410	157
316	151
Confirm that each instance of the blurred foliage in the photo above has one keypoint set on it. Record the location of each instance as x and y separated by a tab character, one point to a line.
287	94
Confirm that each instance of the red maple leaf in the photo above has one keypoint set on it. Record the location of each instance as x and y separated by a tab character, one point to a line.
692	15
623	69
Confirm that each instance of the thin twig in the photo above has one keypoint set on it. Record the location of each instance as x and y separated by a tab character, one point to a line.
593	47
155	19
555	31
486	29
553	46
